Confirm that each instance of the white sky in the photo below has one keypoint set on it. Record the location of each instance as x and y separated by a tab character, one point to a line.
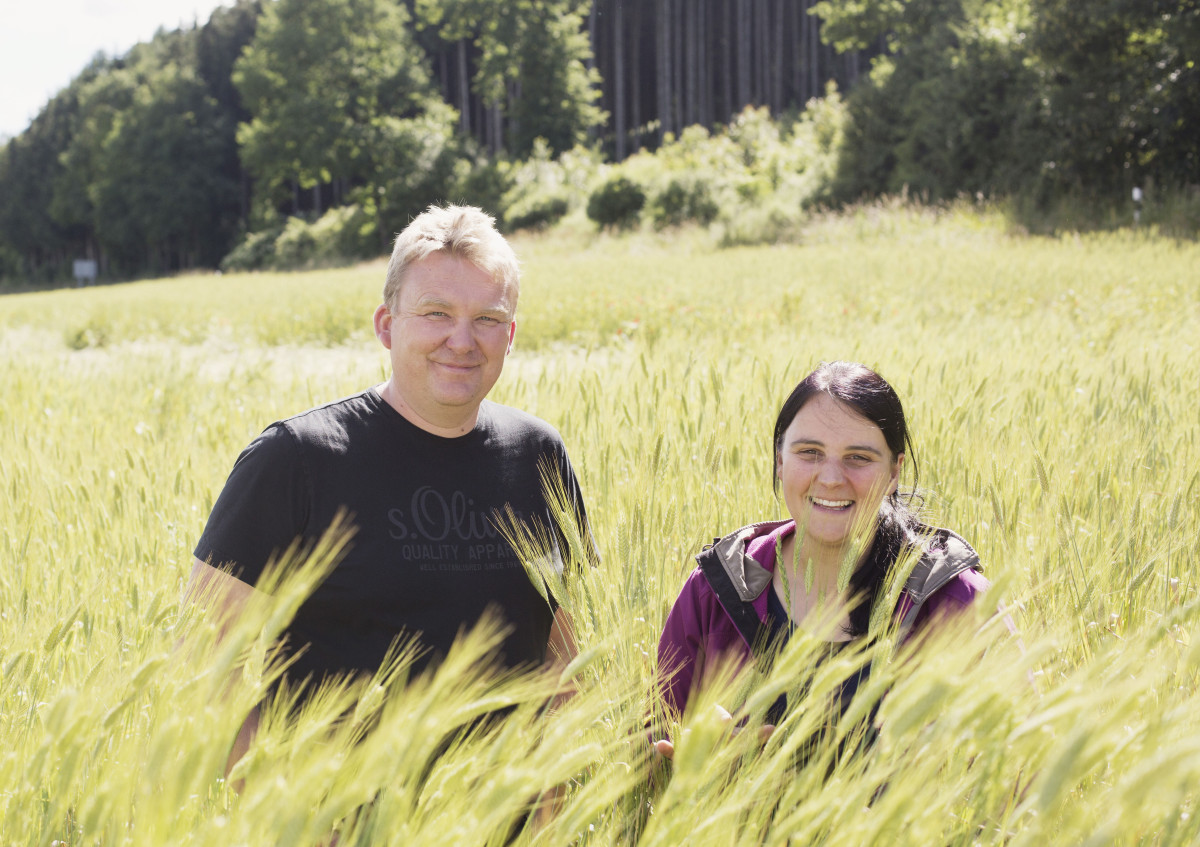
44	44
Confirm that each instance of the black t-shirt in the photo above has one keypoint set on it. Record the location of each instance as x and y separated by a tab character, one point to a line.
426	558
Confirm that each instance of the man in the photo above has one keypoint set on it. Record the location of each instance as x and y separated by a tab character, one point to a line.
424	466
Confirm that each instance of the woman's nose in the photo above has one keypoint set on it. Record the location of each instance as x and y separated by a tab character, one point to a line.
830	472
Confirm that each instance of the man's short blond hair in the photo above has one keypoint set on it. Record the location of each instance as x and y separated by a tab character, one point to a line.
465	232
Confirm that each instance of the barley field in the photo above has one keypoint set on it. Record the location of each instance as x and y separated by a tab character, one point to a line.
1052	387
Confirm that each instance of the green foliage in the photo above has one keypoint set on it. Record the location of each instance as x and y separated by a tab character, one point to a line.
481	181
153	190
31	174
617	203
1051	387
542	189
414	166
1032	99
133	164
536	212
1121	92
296	246
256	251
532	63
752	182
326	84
949	110
339	236
348	232
683	200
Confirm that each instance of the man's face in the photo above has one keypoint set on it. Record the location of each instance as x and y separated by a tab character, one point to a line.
451	329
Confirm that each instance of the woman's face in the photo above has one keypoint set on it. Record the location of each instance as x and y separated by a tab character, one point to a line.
835	468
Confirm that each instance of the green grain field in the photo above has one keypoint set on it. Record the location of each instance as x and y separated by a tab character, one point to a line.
1053	388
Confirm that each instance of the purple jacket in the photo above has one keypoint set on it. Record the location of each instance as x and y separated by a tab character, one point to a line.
723	604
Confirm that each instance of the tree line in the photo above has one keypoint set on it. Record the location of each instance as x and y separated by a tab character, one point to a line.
201	139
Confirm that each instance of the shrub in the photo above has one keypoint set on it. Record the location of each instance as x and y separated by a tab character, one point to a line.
536	212
344	233
684	199
10	263
617	203
296	245
481	182
772	222
256	251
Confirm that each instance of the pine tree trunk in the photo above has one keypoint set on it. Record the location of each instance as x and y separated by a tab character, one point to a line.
618	53
662	31
464	89
744	93
678	95
777	65
636	114
727	41
705	80
814	59
692	51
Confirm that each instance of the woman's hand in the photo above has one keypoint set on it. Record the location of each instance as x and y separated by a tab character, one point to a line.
666	748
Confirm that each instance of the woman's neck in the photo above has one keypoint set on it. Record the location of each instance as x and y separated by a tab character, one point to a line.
803	555
807	581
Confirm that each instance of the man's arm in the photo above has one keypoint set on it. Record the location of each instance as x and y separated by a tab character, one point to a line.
227	596
561	649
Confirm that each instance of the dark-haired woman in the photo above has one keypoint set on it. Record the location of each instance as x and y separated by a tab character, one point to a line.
840	441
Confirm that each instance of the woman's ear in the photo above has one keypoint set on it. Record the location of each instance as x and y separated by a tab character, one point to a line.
894	482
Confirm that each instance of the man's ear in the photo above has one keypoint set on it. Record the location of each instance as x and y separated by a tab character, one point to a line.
512	335
383	325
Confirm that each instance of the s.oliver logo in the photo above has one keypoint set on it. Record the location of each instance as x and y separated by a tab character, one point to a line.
432	516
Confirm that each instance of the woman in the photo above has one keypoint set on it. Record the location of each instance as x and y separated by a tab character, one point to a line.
840	442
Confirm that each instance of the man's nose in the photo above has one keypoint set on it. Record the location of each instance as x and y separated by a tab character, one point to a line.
462	336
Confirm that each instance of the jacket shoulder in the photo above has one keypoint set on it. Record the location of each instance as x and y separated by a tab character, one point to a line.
944	555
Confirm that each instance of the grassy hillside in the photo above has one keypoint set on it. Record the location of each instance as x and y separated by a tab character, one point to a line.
1053	391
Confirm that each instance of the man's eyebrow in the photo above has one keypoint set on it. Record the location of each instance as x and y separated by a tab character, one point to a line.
432	301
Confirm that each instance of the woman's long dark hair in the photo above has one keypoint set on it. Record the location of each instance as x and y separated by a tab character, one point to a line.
869	396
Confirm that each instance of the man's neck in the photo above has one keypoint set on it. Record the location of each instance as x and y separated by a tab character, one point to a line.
449	428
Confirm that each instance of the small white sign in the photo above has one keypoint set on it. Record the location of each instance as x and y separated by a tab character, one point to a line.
85	271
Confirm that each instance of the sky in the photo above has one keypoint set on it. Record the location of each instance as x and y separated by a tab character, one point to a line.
44	44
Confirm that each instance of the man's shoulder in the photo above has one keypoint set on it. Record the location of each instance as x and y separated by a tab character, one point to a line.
509	422
333	423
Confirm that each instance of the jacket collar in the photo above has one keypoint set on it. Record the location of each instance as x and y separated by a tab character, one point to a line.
944	555
748	577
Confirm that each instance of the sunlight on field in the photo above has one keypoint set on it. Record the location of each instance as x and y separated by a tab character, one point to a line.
1053	390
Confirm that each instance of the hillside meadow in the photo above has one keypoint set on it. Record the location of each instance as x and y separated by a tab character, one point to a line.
1052	387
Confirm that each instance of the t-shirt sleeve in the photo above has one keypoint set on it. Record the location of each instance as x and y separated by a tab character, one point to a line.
262	509
574	496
